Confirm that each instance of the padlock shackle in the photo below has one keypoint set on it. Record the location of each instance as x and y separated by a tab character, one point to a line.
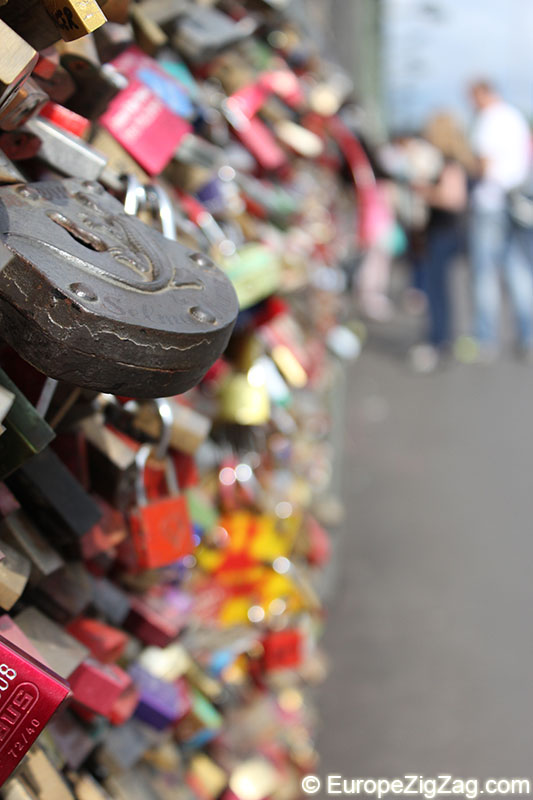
164	409
135	195
164	208
166	412
141	460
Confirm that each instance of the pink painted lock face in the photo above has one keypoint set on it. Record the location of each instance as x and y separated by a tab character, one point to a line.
29	695
145	127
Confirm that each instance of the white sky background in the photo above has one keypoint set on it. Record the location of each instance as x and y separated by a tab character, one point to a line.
429	62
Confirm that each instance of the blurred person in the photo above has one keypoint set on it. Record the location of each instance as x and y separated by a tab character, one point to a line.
447	200
380	236
410	160
384	240
501	141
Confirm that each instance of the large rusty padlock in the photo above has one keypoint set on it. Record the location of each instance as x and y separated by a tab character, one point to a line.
97	298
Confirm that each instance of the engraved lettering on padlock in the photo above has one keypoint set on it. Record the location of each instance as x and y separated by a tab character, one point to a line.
75	18
35	695
15	710
64	19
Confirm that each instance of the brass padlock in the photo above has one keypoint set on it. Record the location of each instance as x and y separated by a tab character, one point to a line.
188	430
149	35
75	18
14	573
111	463
17	59
94	297
19	532
22	106
42	774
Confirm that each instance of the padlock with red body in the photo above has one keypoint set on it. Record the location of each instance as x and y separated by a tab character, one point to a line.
161	529
319	543
66	119
98	687
105	642
125	706
30	694
186	469
19	145
154	620
282	650
106	535
151	137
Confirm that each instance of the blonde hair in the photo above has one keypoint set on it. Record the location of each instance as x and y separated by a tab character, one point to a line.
446	134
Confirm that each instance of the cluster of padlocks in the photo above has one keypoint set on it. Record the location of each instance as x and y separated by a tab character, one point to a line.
183	197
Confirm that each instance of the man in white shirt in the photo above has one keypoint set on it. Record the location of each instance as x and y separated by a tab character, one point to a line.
501	141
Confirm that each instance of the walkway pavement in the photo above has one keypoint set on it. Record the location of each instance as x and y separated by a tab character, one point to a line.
431	631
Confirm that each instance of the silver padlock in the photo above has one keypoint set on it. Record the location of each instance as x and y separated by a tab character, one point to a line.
66	153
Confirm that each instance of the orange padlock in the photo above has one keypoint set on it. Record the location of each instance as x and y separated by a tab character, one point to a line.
161	529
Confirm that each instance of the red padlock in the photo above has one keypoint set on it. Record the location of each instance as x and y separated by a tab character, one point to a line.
65	118
107	534
29	695
105	642
98	687
319	543
161	529
125	706
153	621
282	650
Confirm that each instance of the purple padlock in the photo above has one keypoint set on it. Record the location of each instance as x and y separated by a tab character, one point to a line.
178	600
213	196
160	703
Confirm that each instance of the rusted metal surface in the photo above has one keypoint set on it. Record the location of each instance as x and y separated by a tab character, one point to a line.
94	297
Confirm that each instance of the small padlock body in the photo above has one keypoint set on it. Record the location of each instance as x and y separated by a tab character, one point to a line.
161	532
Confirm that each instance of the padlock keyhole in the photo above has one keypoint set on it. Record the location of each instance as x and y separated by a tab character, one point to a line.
79	234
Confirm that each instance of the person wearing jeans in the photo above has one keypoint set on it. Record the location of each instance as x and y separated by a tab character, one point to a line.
447	199
501	141
496	243
444	244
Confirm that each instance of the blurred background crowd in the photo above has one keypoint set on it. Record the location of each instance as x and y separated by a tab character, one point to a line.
445	104
445	192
